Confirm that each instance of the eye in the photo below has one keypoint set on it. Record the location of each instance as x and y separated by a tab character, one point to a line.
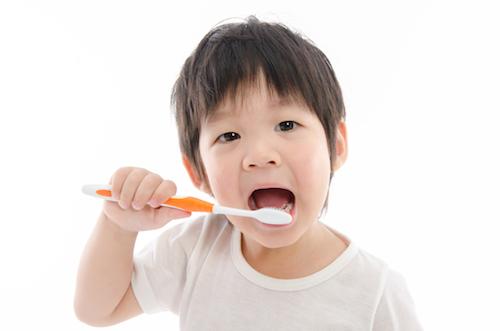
228	136
287	125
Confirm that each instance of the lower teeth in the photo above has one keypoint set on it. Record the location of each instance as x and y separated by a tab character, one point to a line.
287	207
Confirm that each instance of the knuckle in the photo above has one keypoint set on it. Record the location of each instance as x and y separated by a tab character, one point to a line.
151	178
136	174
122	171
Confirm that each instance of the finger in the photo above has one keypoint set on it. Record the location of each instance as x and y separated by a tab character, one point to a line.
130	185
164	191
145	190
117	181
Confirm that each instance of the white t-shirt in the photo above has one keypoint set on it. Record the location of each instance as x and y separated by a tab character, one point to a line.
196	269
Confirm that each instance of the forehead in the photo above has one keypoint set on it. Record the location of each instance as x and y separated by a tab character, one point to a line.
232	106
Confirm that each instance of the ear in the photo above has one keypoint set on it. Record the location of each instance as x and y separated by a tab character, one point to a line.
197	181
340	146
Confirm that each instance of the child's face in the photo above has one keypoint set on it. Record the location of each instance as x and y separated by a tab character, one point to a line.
255	150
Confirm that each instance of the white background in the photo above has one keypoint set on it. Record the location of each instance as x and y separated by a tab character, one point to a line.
85	89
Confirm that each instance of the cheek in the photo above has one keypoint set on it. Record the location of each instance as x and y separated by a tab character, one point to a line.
214	164
312	168
222	175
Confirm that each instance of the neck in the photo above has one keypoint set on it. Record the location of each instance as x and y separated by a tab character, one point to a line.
317	248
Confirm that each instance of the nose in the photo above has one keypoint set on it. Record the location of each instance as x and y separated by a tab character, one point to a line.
261	155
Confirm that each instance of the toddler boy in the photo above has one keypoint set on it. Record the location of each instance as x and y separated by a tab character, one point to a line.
261	123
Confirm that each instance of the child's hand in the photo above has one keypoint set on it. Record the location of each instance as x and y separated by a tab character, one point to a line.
139	193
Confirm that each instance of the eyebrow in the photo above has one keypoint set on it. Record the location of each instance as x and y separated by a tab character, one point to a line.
219	115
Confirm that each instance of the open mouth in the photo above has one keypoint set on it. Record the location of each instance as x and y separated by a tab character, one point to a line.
273	198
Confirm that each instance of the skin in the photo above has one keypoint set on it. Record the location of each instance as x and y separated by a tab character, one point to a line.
244	144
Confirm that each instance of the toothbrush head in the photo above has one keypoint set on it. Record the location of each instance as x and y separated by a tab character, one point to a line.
273	216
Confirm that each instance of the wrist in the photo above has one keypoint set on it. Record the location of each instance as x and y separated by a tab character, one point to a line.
117	230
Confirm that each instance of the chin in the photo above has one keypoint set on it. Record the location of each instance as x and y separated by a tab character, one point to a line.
274	240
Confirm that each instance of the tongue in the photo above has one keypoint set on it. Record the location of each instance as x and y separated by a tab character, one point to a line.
273	197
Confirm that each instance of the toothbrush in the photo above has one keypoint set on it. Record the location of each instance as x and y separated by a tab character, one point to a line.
266	215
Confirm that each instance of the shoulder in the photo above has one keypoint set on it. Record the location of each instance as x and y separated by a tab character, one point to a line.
395	291
361	267
393	306
390	282
371	262
365	271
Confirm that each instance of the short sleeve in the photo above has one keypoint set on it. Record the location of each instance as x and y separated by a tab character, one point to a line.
159	274
396	310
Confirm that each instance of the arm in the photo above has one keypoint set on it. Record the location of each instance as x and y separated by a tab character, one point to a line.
103	294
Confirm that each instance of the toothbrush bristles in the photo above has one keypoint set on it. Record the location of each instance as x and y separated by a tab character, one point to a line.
272	215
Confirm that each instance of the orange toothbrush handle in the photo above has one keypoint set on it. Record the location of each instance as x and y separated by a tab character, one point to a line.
190	203
187	203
